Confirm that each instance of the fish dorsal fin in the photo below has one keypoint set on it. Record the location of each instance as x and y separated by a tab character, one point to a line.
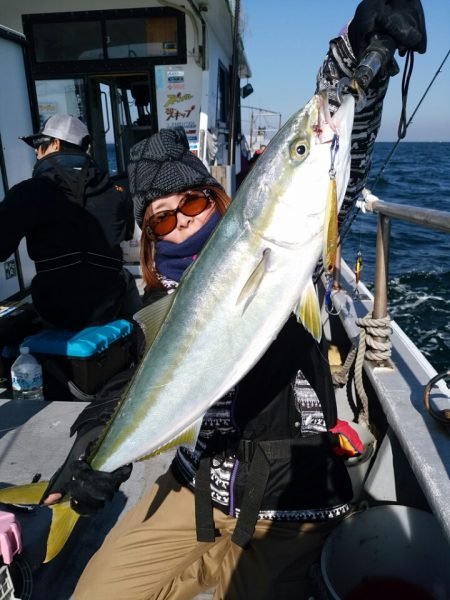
308	311
151	317
252	284
64	520
187	438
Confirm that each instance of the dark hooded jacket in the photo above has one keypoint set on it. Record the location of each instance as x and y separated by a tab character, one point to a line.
73	219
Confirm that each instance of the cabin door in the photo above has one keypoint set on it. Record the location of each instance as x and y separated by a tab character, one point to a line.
121	112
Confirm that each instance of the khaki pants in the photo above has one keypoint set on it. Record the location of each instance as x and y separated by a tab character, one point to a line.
153	553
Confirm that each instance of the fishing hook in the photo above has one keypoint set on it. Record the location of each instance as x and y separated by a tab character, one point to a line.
329	307
333	151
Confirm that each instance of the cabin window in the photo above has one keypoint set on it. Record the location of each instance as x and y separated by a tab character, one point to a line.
105	41
61	96
223	95
139	38
68	41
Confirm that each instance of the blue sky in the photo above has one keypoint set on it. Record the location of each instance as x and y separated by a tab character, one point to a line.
285	43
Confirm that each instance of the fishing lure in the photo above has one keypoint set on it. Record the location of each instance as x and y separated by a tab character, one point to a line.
330	238
358	267
357	271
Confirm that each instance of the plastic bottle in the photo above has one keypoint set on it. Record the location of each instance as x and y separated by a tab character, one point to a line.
26	377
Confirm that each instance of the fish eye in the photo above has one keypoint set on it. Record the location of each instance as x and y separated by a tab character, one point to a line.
299	150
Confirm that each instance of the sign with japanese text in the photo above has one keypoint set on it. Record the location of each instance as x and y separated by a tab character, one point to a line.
178	96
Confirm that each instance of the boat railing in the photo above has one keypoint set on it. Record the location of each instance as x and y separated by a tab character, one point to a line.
438	220
425	217
432	219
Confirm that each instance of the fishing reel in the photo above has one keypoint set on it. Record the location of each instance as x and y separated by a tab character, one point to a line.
378	57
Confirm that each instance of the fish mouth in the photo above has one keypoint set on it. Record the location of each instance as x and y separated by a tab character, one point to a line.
325	128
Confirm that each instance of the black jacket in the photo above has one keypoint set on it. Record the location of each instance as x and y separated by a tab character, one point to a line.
74	219
285	405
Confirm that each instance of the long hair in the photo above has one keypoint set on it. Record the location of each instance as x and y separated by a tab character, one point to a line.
147	251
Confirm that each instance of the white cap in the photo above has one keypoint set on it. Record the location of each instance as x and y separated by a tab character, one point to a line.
63	127
24	350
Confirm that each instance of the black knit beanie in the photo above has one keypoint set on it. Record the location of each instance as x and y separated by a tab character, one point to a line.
163	164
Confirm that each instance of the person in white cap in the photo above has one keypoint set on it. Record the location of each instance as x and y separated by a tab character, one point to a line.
73	218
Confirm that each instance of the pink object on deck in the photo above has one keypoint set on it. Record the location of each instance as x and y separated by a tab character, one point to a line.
10	538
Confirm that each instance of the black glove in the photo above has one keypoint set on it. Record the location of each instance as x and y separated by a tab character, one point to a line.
89	489
402	20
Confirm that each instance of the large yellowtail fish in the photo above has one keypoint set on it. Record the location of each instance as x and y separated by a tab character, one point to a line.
255	270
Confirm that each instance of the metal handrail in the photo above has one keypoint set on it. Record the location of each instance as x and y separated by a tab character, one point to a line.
425	217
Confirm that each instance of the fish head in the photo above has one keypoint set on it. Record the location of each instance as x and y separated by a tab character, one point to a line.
287	188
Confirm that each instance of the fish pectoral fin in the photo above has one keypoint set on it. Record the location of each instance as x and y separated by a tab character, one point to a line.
187	438
152	317
30	493
308	311
252	284
63	522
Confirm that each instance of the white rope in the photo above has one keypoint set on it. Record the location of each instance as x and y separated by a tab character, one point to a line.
340	377
369	348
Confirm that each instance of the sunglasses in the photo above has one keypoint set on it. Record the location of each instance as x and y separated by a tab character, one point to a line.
37	142
192	204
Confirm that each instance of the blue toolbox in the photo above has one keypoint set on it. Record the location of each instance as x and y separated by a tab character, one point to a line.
87	358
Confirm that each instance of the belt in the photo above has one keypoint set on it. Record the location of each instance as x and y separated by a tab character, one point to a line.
258	454
275	449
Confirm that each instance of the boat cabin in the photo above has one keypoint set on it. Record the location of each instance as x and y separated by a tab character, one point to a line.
125	72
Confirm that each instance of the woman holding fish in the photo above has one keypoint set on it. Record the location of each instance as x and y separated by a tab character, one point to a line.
247	507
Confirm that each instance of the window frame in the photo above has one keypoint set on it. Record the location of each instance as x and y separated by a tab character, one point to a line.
104	65
223	94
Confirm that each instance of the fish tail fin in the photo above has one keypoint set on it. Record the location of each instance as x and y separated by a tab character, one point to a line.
30	493
63	520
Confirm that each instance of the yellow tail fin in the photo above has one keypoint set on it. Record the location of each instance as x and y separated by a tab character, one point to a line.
63	521
30	493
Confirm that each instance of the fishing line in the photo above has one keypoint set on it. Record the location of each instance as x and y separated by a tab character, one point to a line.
345	226
349	221
409	64
403	127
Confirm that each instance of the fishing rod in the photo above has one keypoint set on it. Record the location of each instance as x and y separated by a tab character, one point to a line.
401	135
379	55
402	130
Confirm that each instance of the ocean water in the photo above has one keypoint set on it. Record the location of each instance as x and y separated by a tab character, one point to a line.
419	259
419	266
